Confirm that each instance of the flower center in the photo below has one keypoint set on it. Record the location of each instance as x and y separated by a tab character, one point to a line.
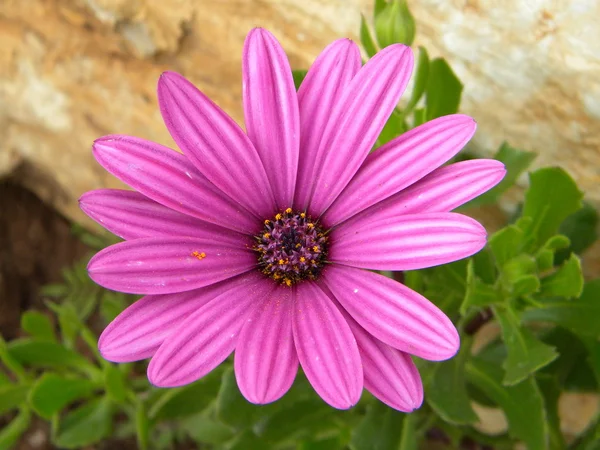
291	248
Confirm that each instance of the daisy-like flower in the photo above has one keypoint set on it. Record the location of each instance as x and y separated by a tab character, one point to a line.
261	242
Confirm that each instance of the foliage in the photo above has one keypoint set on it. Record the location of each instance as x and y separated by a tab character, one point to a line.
528	280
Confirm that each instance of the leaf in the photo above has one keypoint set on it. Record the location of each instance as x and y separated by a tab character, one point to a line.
420	78
506	244
86	425
10	434
566	282
453	277
38	325
550	390
581	316
580	227
443	90
187	400
395	24
551	198
11	396
526	354
298	76
380	429
522	403
446	391
516	162
115	383
142	426
545	256
248	441
366	39
205	430
378	7
419	117
478	294
45	354
393	128
51	393
111	305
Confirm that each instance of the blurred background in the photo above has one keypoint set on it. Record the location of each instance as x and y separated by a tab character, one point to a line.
74	70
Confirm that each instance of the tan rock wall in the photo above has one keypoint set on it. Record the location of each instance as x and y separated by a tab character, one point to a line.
73	70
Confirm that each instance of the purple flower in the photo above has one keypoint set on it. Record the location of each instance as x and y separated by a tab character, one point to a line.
257	242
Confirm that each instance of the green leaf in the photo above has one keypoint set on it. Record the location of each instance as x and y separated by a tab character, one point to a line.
526	354
86	425
581	316
366	39
551	198
10	362
11	396
395	24
420	78
142	426
114	380
112	304
380	429
550	390
206	430
419	117
446	391
45	354
580	227
478	293
393	128
545	255
38	325
187	400
378	7
566	282
51	393
443	90
248	441
453	277
10	434
516	162
506	244
522	403
298	76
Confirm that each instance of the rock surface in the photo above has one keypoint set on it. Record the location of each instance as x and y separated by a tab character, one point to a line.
73	70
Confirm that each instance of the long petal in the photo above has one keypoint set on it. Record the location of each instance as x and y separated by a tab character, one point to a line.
214	143
390	375
166	265
140	329
168	178
208	335
326	347
441	191
400	163
406	242
131	215
265	358
271	111
357	119
320	90
393	313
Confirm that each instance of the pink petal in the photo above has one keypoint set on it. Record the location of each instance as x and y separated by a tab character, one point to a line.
406	242
265	357
390	375
400	163
168	178
166	265
208	335
393	313
138	331
320	90
326	347
271	111
131	215
214	143
356	121
442	190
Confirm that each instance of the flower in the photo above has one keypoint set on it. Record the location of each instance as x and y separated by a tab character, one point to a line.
257	242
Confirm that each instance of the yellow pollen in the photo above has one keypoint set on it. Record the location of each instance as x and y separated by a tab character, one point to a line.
302	259
267	222
316	248
281	262
310	225
288	282
198	255
302	215
267	235
298	245
288	211
278	216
